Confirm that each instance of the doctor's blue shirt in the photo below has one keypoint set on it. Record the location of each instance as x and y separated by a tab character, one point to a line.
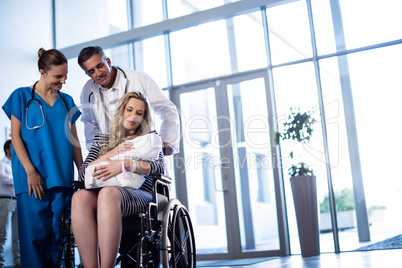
49	148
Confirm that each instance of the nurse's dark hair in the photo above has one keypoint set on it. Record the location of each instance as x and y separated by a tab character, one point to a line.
49	58
7	145
87	52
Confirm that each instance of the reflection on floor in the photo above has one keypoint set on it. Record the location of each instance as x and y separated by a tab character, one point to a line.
233	263
357	259
349	257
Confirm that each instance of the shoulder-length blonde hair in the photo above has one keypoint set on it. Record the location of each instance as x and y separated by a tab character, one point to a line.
118	133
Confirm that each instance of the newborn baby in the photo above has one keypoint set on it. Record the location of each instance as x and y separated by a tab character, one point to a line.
146	148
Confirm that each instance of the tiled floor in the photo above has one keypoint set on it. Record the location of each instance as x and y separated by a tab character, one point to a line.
353	259
356	259
363	259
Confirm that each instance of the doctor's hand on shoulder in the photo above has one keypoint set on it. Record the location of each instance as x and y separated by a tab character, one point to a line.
167	149
35	184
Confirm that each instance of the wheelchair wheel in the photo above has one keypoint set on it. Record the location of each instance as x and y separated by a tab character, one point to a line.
178	243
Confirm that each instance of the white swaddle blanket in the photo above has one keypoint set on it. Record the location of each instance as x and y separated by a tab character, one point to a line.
145	148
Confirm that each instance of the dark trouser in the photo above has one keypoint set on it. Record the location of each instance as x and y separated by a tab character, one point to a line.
39	226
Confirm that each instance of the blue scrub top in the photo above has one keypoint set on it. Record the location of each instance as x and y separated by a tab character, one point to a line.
49	147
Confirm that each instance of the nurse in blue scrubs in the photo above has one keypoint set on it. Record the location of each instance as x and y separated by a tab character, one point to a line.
45	145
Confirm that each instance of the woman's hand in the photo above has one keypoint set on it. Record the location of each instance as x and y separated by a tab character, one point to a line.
35	185
105	172
121	148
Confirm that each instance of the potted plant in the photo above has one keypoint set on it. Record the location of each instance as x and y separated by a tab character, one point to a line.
299	127
345	206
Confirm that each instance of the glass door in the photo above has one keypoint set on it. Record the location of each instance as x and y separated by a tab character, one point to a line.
202	169
254	177
225	172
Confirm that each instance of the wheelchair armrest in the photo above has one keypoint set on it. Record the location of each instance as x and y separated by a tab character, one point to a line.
161	185
161	189
78	185
161	178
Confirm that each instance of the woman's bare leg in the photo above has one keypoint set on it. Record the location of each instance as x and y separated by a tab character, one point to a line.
83	218
109	225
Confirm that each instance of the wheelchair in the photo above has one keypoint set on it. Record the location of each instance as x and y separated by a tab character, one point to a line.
163	236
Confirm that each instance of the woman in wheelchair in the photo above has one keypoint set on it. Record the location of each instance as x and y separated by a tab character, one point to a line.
97	213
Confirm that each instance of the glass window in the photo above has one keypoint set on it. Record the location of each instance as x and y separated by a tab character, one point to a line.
146	12
203	170
376	87
80	21
289	33
120	56
370	22
246	42
200	52
295	86
178	8
375	83
323	27
253	166
218	48
150	57
339	159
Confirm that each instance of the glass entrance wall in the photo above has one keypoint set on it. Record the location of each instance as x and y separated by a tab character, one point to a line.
202	162
226	46
289	34
253	166
377	82
373	73
375	24
365	77
295	87
150	58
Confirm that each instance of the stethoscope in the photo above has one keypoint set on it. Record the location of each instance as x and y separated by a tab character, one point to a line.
91	94
37	101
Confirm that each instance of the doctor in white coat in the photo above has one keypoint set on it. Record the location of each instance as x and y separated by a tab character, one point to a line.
101	94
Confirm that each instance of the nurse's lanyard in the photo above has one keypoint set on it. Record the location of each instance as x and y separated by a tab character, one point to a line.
34	100
91	94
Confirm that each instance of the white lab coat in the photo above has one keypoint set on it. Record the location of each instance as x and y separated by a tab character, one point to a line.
136	81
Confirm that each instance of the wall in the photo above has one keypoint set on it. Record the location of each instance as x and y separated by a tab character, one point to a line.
25	26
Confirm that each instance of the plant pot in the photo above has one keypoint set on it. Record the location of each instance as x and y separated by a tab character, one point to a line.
304	189
346	220
377	215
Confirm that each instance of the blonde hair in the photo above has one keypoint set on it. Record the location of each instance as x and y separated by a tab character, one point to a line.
118	134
